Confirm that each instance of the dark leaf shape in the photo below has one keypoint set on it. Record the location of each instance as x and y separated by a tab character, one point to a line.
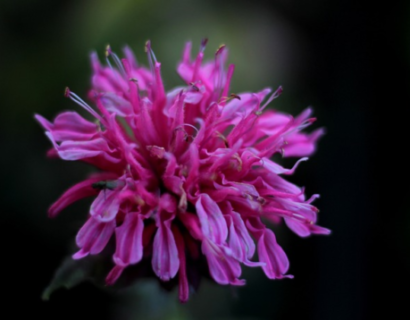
73	272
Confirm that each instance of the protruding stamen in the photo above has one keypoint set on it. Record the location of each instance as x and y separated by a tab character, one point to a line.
273	96
305	124
187	137
147	46
107	54
223	138
80	102
133	86
229	75
110	53
155	66
67	92
219	70
151	56
203	44
220	49
239	159
119	64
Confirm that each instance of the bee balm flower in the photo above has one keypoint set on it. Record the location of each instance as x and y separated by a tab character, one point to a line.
184	175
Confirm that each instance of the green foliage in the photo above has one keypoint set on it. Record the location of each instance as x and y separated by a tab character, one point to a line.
73	272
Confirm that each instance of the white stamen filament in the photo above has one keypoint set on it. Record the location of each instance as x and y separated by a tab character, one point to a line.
188	125
83	104
118	63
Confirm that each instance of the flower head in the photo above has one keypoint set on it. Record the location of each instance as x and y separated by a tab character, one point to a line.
184	175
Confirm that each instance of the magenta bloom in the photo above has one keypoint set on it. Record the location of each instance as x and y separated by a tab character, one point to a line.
184	175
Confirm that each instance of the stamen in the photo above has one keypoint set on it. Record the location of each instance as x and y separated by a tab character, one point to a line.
221	136
239	159
220	49
229	75
198	62
108	53
305	124
203	44
151	55
81	102
67	92
273	96
188	125
218	79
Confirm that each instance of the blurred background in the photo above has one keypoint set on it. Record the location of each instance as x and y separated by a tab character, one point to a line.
348	60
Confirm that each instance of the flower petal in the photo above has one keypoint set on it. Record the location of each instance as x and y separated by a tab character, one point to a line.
276	261
93	237
213	224
165	261
129	240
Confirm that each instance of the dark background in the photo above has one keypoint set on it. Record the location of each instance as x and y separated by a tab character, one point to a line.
349	60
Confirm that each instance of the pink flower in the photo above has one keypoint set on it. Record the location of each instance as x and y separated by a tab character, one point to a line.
186	174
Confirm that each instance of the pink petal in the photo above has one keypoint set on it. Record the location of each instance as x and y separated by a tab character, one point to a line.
301	229
213	224
69	126
223	268
129	248
114	274
277	169
76	150
240	242
76	192
277	263
93	237
105	207
165	261
182	274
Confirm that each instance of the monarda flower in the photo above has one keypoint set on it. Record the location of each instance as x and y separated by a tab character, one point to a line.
185	175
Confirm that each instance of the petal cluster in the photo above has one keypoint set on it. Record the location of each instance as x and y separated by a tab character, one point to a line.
184	175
